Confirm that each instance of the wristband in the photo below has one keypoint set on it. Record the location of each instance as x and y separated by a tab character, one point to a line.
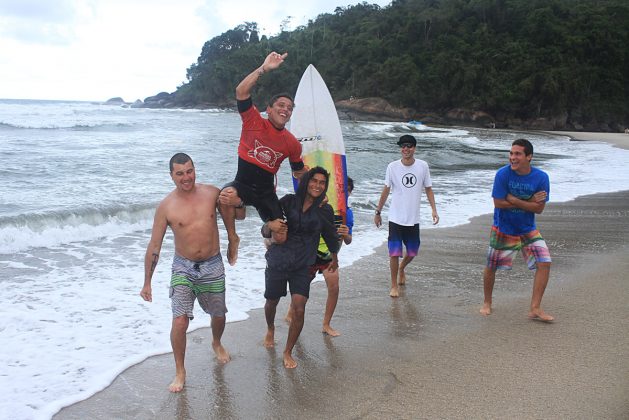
377	212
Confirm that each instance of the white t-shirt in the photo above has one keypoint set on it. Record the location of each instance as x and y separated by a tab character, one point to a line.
406	184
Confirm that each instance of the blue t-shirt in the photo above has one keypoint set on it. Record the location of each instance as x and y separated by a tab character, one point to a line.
349	218
507	181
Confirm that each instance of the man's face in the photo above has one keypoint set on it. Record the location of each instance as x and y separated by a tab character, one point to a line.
316	185
520	163
183	175
279	114
407	150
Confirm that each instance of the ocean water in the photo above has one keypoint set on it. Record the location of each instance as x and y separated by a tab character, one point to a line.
80	182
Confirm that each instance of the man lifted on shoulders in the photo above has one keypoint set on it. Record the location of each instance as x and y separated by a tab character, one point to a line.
264	144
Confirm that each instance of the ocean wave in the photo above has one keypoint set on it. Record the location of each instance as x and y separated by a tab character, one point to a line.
23	232
96	126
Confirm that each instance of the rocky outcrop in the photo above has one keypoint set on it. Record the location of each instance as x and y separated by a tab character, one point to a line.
372	109
115	101
161	100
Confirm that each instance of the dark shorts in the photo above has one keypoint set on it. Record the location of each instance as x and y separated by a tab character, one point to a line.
264	200
403	235
276	280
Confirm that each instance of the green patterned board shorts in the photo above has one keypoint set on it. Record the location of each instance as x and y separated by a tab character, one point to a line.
202	280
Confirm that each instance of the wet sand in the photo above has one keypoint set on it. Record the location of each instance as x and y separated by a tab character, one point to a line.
428	353
620	140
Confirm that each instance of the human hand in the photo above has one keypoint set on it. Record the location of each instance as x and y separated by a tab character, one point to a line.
147	294
377	219
435	217
229	197
343	230
277	226
273	61
538	197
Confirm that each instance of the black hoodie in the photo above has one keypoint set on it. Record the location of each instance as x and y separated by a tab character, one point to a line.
304	229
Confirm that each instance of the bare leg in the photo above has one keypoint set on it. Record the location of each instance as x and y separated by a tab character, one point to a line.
489	278
228	212
178	342
332	283
298	302
270	307
539	286
289	315
394	263
218	326
401	274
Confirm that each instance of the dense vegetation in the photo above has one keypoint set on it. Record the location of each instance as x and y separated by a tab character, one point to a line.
516	58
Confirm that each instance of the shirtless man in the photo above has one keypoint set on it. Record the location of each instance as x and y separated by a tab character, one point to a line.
264	144
197	270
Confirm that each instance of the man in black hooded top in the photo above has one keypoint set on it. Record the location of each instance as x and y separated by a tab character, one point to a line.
287	263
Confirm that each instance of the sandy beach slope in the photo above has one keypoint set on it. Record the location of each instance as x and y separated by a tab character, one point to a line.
427	354
617	139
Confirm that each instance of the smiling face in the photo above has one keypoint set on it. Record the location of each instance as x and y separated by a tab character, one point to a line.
183	176
520	162
280	112
407	150
316	185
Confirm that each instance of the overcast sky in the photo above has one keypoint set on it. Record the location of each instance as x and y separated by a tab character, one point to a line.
98	49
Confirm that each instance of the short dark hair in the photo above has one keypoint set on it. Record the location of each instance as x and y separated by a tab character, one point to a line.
350	184
528	147
180	159
281	95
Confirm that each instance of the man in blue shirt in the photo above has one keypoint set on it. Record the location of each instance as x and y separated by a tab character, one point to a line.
520	191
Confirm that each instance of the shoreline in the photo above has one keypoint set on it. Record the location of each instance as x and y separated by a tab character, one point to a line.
620	140
423	354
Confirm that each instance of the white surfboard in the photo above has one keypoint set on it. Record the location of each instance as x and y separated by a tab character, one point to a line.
316	125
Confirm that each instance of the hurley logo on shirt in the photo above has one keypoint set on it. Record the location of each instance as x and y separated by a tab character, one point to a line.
409	180
264	154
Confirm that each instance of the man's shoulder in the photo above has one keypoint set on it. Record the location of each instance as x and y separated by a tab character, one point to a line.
326	209
538	172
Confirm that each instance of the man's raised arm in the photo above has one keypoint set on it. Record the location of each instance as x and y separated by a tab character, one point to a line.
271	62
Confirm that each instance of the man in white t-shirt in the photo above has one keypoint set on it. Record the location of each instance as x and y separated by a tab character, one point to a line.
405	179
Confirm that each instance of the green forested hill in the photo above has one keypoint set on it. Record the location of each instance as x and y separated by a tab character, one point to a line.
566	60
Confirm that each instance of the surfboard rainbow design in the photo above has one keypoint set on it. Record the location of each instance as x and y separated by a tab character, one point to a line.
316	125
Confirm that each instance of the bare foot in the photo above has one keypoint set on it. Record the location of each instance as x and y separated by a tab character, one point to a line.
394	292
330	331
221	354
401	275
486	309
539	315
289	362
232	250
178	382
269	339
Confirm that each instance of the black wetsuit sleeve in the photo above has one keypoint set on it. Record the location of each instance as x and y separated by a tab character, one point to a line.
296	166
244	105
330	236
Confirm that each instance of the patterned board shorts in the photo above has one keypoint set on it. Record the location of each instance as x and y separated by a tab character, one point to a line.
202	280
403	235
503	247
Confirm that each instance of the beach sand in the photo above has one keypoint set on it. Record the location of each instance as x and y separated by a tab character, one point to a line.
428	353
620	140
